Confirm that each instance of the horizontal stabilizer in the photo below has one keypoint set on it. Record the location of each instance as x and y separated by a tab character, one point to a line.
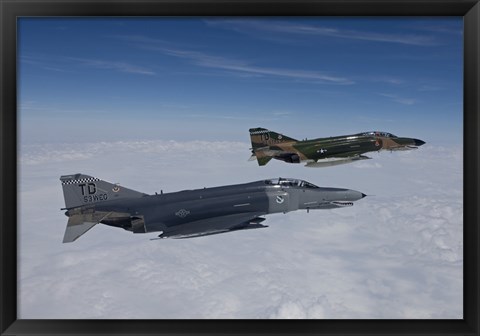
79	224
263	160
75	231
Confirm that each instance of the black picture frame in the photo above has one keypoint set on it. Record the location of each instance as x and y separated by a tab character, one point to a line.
10	10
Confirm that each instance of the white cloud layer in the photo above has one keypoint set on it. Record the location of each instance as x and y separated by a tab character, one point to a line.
395	254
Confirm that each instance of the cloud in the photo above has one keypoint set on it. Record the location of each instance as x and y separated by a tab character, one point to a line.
282	113
367	165
234	66
398	99
57	153
397	254
113	65
65	64
269	26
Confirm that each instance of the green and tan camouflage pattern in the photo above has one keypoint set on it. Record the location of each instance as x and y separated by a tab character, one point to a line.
346	148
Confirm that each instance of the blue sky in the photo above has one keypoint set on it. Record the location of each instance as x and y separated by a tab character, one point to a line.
92	79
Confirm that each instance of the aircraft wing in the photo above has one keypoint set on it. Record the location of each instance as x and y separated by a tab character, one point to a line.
215	225
350	155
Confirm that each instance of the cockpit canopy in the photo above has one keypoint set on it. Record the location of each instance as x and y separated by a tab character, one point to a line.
289	182
382	134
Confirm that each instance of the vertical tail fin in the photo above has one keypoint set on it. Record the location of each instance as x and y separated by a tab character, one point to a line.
81	193
80	190
262	140
262	137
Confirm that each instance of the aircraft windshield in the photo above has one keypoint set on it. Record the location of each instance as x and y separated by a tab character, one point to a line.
288	182
382	134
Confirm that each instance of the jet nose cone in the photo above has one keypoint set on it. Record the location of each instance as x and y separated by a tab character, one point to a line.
418	142
354	195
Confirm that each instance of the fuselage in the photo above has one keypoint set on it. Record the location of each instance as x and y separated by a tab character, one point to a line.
332	150
354	143
163	212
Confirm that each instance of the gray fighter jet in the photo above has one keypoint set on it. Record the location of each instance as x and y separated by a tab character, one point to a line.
190	213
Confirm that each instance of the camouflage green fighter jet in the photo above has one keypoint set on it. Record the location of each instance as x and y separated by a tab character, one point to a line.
324	152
